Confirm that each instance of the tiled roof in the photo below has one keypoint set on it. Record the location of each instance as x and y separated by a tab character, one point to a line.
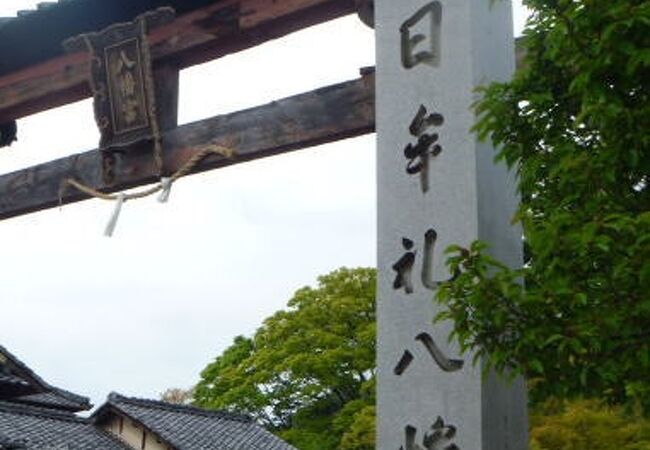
11	444
49	400
11	379
189	428
12	385
36	35
40	428
57	397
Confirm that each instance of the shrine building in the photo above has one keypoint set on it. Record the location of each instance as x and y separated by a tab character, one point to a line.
34	415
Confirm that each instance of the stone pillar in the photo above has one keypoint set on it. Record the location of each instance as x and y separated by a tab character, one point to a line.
438	186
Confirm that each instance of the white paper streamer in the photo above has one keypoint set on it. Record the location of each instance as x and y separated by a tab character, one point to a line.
110	227
166	184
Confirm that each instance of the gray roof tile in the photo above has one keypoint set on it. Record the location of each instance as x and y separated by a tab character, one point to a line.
189	428
39	429
57	397
11	444
48	400
9	379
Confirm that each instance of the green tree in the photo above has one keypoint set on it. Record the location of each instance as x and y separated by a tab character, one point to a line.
574	124
308	373
587	425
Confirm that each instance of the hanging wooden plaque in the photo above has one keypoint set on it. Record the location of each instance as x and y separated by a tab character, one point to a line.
122	80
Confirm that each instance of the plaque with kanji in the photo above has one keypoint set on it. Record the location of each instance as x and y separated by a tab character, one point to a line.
121	79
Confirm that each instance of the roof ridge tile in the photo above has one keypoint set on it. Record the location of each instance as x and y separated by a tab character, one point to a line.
84	402
18	408
115	399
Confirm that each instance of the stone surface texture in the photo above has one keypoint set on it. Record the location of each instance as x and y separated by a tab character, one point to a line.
433	55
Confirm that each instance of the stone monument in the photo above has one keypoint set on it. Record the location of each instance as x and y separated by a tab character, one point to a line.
438	186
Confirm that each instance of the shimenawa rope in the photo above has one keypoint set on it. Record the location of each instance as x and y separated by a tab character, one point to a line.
164	186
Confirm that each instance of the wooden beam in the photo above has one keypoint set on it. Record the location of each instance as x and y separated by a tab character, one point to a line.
166	85
223	28
325	115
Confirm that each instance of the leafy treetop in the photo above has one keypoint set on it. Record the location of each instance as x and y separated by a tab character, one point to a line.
308	373
574	124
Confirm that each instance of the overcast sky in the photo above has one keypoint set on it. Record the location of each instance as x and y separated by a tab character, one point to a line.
150	307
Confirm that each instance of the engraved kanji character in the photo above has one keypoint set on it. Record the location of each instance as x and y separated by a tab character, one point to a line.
131	110
124	62
420	153
445	363
404	267
440	437
432	14
126	81
127	84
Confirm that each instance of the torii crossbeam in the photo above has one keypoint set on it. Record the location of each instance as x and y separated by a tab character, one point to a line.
203	30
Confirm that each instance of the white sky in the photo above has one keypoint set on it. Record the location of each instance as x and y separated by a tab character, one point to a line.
149	308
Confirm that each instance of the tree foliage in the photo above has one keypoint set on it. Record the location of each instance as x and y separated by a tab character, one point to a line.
574	124
308	373
587	425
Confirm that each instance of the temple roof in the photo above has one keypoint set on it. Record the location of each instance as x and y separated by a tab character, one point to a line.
42	416
187	427
54	399
20	384
28	427
12	386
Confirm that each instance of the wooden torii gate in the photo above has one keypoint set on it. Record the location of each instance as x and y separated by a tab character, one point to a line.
202	31
437	185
